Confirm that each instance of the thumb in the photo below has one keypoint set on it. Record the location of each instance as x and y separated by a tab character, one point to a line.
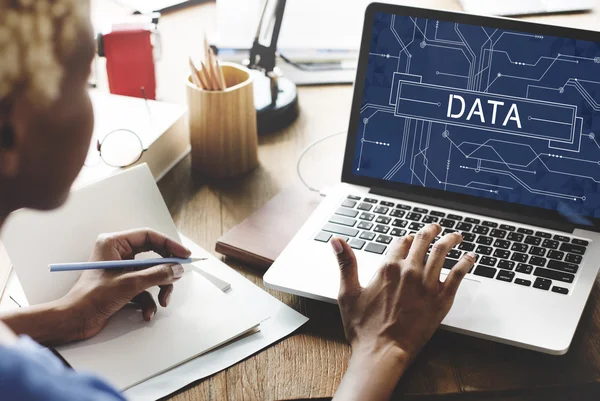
349	283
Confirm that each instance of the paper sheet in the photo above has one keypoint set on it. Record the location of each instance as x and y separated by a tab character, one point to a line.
283	321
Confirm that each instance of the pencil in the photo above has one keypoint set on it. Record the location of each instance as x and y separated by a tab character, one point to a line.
206	75
213	70
221	75
195	76
121	264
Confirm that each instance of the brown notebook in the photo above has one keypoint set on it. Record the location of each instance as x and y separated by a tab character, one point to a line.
259	239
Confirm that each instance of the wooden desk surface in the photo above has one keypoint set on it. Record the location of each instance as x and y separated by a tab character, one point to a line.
311	363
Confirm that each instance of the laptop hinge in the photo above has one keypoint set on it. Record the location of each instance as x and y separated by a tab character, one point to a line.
499	214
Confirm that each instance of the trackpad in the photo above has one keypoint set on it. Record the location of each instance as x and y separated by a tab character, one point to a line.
462	309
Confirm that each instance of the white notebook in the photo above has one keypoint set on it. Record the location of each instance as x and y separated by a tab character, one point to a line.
129	350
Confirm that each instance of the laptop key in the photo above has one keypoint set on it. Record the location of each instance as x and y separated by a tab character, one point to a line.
506	227
570	248
550	244
354	197
384	239
485	240
488	261
388	204
335	229
430	219
502	253
462	226
506	264
554	275
481	230
383	220
342	211
398	232
367	216
519	248
400	223
519	257
524	268
448	231
323	237
414	216
466	246
498	233
455	217
489	224
556	255
420	210
484	250
562	238
580	242
520	281
543	234
485	271
573	258
381	210
437	214
365	207
369	236
403	207
375	248
515	237
397	213
563	267
342	237
531	240
502	244
542	284
468	237
560	290
349	203
363	225
454	254
537	261
381	229
525	231
505	275
447	223
416	226
537	251
371	200
472	220
356	244
344	221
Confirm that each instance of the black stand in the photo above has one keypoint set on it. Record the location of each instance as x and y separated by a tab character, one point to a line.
275	97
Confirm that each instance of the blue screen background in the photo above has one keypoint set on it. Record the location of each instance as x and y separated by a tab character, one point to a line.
545	152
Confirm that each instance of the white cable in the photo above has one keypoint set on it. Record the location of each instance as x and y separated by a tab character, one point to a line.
305	151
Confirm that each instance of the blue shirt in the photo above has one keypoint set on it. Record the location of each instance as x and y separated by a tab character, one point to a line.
29	372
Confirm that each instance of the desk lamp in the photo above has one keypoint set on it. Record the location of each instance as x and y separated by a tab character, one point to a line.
275	97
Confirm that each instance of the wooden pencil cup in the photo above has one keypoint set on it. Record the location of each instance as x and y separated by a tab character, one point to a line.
223	130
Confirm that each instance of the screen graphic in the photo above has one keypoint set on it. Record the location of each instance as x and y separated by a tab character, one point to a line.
504	115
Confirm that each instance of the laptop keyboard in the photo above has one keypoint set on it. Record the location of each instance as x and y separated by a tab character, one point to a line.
505	252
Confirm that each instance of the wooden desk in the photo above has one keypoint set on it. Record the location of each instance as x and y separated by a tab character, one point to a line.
311	363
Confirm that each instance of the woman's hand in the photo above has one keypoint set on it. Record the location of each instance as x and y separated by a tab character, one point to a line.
388	322
99	294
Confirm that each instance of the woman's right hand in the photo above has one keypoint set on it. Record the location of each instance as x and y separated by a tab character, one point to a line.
388	322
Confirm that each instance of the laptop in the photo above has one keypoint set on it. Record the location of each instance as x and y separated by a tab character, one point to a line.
525	7
489	127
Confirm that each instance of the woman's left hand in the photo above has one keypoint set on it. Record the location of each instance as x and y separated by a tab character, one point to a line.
98	294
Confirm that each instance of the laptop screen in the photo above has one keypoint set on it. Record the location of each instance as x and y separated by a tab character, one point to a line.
496	114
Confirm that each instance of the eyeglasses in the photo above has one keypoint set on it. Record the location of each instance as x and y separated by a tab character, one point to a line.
120	148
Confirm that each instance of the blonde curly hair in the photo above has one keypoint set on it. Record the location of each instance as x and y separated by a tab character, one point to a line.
36	38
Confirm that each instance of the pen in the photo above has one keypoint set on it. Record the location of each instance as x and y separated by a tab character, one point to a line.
121	264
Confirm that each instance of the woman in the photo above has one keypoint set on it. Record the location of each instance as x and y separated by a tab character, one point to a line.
46	121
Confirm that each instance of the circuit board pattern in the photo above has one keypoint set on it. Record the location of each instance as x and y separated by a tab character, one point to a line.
498	114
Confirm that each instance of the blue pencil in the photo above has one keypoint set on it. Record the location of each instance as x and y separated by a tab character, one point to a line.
121	264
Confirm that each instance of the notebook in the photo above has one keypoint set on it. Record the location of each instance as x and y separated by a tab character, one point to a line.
200	318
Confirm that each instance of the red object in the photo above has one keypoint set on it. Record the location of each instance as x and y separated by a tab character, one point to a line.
130	63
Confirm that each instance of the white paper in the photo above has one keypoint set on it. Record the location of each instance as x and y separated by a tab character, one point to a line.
283	321
130	350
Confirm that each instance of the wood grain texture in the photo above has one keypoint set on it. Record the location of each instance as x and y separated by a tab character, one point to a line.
310	364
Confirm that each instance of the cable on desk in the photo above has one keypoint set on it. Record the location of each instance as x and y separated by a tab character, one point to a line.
305	151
